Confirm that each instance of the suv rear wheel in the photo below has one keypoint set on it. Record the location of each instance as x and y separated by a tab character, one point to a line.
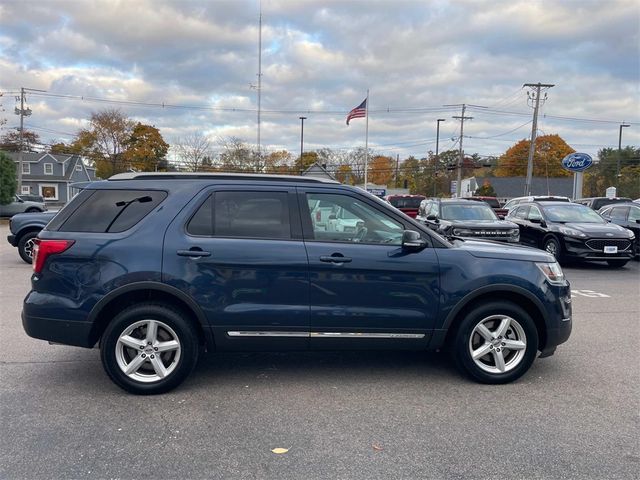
149	348
496	343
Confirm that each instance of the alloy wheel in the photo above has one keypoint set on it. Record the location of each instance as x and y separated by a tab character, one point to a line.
497	344
148	351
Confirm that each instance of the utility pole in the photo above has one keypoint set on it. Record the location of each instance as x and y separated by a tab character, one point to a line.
461	158
397	167
622	125
302	119
259	77
23	112
437	159
533	96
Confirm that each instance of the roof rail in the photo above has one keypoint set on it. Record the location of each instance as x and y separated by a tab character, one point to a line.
215	176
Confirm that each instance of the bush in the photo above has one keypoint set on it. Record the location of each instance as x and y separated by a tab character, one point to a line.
8	183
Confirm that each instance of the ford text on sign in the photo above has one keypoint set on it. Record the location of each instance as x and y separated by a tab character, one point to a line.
577	162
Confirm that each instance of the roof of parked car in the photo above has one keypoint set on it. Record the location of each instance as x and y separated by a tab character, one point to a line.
216	176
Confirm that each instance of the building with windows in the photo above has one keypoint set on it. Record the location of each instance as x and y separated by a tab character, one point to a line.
51	175
507	188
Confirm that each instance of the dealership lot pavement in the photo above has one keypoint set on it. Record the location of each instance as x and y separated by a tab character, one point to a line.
341	415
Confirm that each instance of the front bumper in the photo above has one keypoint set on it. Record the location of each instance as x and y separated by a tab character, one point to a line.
576	248
12	240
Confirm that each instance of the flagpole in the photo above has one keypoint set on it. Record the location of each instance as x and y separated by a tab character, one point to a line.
366	144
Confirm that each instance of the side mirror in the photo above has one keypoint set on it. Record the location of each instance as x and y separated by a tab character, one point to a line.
637	220
433	218
536	220
412	241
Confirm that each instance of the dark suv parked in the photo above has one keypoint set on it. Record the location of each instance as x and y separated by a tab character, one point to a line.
156	267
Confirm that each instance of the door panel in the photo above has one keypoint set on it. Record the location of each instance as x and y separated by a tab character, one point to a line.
369	292
253	291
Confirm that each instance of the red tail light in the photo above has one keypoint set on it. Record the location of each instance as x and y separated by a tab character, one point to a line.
318	216
43	248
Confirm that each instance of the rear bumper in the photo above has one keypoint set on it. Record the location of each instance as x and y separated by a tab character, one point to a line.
12	240
58	331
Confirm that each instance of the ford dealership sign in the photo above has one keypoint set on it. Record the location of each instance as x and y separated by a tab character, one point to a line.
577	162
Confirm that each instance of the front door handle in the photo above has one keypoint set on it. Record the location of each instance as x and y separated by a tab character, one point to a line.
334	259
193	252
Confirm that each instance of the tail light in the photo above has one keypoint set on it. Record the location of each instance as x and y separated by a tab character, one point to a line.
318	216
43	248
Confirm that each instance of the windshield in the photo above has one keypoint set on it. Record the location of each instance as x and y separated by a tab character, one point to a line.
572	213
406	202
476	211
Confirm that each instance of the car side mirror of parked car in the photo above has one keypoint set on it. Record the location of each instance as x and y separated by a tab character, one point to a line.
433	218
637	220
412	241
538	221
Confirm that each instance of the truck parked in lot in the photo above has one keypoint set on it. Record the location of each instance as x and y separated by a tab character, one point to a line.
24	229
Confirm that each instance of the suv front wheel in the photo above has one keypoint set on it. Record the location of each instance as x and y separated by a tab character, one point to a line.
496	342
149	348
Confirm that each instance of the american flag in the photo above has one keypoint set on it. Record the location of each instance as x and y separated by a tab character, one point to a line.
359	112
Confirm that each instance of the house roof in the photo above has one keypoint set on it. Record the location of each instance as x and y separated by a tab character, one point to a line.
510	187
317	170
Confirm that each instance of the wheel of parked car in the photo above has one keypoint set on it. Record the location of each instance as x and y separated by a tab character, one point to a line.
496	342
25	246
552	246
149	348
617	263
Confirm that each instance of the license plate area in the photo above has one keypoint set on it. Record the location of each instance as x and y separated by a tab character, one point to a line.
610	249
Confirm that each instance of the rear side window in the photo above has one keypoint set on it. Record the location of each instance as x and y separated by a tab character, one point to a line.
243	215
112	211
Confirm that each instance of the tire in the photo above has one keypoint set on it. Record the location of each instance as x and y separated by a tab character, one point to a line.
125	345
33	210
617	263
552	246
503	322
25	246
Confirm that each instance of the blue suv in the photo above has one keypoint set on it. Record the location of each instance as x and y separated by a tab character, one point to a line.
155	268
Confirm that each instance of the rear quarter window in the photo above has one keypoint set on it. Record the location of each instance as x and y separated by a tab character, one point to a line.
109	211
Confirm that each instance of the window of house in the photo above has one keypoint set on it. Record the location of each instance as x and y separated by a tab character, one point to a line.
26	168
48	168
26	190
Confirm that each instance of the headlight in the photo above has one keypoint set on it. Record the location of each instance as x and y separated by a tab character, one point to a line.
553	272
571	232
514	231
461	231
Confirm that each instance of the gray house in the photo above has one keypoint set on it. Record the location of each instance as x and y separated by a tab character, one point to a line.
509	187
51	175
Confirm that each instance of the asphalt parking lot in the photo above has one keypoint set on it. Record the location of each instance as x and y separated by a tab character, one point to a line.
340	415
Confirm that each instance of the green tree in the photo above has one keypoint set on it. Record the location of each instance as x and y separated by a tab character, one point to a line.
146	150
547	158
603	173
8	183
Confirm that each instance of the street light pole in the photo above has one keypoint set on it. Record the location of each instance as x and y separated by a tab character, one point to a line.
437	159
623	125
302	119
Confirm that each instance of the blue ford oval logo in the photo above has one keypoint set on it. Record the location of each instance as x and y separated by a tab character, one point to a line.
577	162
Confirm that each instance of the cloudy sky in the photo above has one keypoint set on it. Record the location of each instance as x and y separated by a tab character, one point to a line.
200	58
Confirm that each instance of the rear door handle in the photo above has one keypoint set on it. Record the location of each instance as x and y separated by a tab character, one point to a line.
336	259
194	252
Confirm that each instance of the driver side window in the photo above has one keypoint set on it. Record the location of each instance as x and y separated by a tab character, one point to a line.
342	218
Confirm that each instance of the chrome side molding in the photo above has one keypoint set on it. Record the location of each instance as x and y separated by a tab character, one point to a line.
246	333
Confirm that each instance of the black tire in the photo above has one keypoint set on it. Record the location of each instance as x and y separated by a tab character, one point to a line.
617	263
552	245
180	362
517	361
25	246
